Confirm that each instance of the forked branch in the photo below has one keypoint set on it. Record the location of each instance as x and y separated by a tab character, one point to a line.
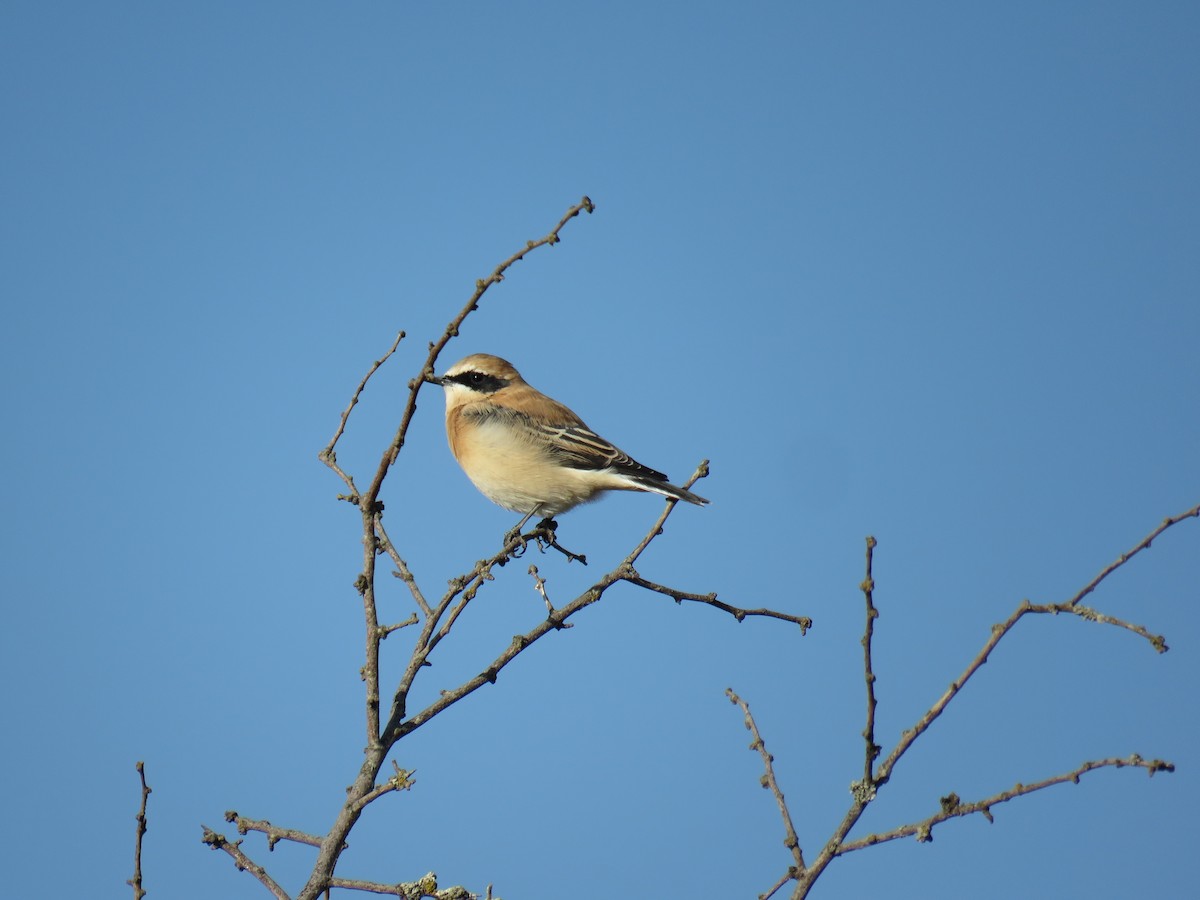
864	791
433	621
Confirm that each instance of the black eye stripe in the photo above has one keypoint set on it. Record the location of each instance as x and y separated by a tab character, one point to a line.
478	381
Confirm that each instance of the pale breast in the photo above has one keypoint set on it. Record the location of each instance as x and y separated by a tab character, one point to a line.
512	466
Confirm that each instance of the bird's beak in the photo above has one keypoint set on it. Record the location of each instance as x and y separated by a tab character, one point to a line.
434	379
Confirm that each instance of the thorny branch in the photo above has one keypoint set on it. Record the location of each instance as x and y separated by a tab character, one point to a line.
435	619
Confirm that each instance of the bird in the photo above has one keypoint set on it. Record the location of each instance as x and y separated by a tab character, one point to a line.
529	453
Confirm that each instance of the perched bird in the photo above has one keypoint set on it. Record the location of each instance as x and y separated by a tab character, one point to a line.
529	453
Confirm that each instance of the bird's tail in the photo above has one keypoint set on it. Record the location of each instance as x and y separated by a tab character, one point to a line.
669	490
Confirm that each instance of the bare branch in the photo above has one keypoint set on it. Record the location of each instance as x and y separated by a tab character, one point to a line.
668	508
327	455
402	780
406	890
375	540
1125	557
371	509
1157	641
868	589
427	370
438	620
468	584
865	790
539	585
243	862
1025	608
402	570
768	781
787	876
398	727
273	833
136	881
385	630
631	575
953	807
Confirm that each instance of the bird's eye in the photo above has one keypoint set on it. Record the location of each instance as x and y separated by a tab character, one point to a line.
480	381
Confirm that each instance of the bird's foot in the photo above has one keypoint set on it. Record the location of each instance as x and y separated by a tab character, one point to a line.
515	543
544	534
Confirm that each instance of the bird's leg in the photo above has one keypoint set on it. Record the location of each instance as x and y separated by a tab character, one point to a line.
514	536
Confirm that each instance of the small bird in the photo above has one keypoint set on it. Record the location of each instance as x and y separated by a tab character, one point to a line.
530	453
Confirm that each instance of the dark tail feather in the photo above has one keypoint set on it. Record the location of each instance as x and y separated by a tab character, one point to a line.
670	490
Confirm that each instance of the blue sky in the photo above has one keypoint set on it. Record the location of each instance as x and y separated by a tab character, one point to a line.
926	271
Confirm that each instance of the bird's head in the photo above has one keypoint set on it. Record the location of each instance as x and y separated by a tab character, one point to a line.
478	375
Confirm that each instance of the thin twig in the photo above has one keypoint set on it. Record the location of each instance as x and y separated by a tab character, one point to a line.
398	726
369	504
539	585
631	575
868	589
464	588
381	739
385	630
327	455
136	881
1025	608
768	781
427	370
402	570
668	508
402	780
243	862
998	632
1125	557
274	833
439	618
953	807
787	876
864	791
1157	641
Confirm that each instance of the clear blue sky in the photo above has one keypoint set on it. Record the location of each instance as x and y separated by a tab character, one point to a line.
924	271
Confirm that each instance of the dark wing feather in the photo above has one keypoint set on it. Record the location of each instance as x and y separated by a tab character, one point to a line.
573	445
581	448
